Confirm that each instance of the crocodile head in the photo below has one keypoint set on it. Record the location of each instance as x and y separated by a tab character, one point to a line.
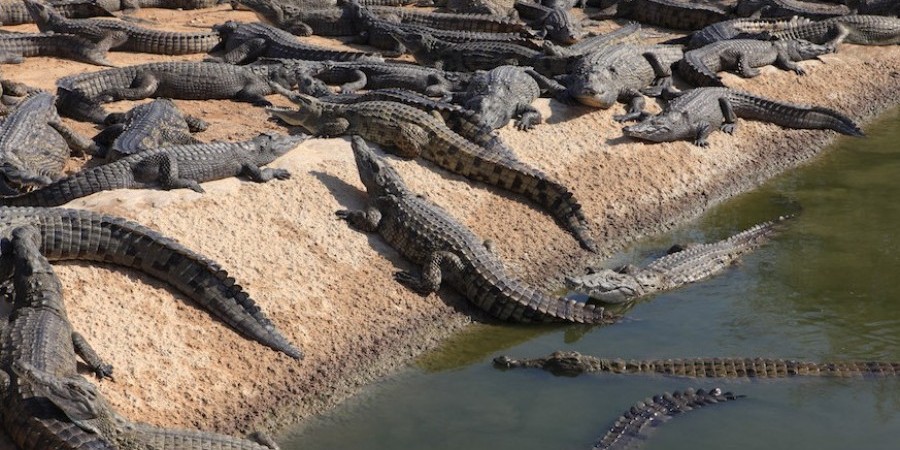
273	145
664	127
40	12
801	50
226	29
492	110
561	28
609	286
74	396
379	178
308	116
593	89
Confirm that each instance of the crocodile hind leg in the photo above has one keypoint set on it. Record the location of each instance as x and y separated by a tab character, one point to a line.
359	82
745	69
365	220
163	167
253	172
730	123
432	272
143	86
247	51
784	62
529	116
90	357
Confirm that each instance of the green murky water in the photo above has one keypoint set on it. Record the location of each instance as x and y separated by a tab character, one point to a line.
825	289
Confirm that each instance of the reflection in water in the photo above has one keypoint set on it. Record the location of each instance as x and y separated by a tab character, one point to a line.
824	289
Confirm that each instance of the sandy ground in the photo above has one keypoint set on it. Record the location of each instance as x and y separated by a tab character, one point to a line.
329	288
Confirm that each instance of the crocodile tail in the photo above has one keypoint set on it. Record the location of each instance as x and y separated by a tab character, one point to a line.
116	175
82	235
172	439
695	71
790	115
177	43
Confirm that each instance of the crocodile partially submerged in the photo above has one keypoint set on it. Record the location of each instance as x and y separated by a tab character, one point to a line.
680	267
147	127
696	113
634	425
81	95
245	42
45	402
700	67
621	73
69	234
789	8
448	252
35	145
853	29
566	363
411	132
15	47
121	35
175	167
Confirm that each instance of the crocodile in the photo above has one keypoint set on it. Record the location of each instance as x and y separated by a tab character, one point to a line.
633	425
35	145
134	5
12	93
676	14
448	251
567	363
14	47
854	29
80	95
410	132
789	8
121	35
736	29
45	402
699	67
174	167
682	266
452	21
696	113
245	42
506	92
555	24
69	234
876	7
494	7
303	21
622	72
147	127
628	34
472	56
13	12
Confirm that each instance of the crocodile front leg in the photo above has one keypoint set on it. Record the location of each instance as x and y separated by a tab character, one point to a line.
702	131
78	143
432	272
247	51
635	108
254	93
254	173
90	357
784	62
366	220
529	116
730	123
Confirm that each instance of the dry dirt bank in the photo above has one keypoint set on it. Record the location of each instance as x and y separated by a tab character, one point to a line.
330	289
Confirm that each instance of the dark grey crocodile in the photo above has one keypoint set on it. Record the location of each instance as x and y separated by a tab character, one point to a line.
555	24
876	7
35	145
737	29
700	67
411	132
87	236
452	21
303	21
448	252
506	92
13	12
46	403
789	8
146	127
122	35
628	34
12	93
14	47
81	95
696	113
854	29
133	5
621	73
633	426
175	167
676	14
245	42
672	271
494	7
573	363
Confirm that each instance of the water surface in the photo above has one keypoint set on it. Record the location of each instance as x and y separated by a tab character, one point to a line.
825	289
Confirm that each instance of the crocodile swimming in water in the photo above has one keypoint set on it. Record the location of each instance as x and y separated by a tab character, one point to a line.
448	252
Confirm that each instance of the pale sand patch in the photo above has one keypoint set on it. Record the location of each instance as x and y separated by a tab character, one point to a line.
329	288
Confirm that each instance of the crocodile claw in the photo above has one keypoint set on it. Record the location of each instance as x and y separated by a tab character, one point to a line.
411	281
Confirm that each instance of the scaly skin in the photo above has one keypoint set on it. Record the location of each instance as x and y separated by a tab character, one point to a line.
696	113
633	425
182	166
555	24
789	8
452	21
35	144
14	47
678	268
449	252
677	14
573	364
621	73
700	66
87	236
14	12
80	95
303	21
245	42
861	30
628	34
410	132
148	127
45	402
738	28
121	35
